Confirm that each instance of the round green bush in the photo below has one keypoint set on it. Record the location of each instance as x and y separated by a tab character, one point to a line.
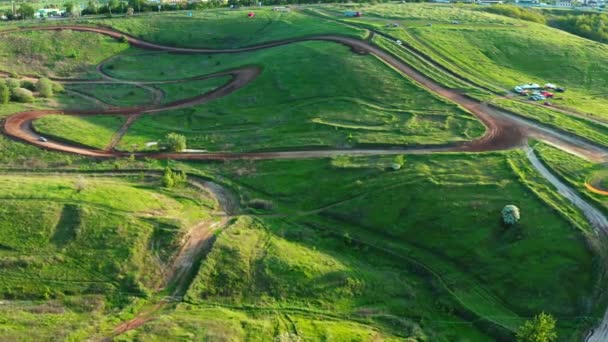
22	95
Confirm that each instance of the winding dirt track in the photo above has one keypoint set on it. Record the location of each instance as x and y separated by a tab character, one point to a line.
504	131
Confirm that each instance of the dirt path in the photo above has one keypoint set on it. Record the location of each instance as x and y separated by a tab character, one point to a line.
504	131
121	131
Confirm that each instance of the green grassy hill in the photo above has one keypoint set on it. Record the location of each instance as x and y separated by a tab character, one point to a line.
380	248
74	249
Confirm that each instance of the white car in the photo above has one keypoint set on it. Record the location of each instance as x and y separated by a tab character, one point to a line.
398	42
43	139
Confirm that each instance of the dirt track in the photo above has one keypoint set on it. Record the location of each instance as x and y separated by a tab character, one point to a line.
504	131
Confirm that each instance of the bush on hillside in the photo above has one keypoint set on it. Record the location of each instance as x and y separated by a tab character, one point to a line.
29	85
5	93
57	88
45	87
517	12
540	329
13	83
171	179
22	95
174	142
510	214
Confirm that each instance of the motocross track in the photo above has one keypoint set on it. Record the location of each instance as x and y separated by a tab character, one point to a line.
503	129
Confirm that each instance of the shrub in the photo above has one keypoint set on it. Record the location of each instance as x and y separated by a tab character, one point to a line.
540	329
58	88
167	180
123	39
171	179
5	93
13	83
45	87
510	214
29	85
22	95
174	142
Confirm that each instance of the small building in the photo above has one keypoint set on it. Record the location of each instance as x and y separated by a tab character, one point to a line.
563	3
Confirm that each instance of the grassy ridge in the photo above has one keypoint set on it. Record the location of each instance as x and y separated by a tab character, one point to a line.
83	248
226	29
65	53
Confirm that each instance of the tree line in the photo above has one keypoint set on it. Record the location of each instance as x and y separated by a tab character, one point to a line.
587	25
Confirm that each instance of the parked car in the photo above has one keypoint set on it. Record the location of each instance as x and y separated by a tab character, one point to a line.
398	42
42	139
546	94
560	90
536	98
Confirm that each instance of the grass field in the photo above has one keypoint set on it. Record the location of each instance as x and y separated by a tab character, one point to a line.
222	28
335	249
397	220
99	129
64	54
122	95
81	247
283	109
501	55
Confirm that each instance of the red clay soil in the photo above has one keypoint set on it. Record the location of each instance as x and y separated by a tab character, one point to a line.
503	130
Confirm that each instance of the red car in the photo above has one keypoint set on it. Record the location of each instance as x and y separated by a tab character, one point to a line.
546	94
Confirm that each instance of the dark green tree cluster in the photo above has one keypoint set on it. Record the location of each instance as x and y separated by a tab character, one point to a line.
591	26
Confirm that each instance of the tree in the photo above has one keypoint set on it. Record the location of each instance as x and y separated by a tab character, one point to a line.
510	214
26	11
540	329
138	4
45	87
129	11
174	142
5	93
69	7
112	4
93	6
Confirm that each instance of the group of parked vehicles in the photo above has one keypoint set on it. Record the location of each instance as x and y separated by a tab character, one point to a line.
537	92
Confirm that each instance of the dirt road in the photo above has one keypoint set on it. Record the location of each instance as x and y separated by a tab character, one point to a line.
504	130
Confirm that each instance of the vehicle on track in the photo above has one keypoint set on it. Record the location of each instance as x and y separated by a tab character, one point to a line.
42	139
